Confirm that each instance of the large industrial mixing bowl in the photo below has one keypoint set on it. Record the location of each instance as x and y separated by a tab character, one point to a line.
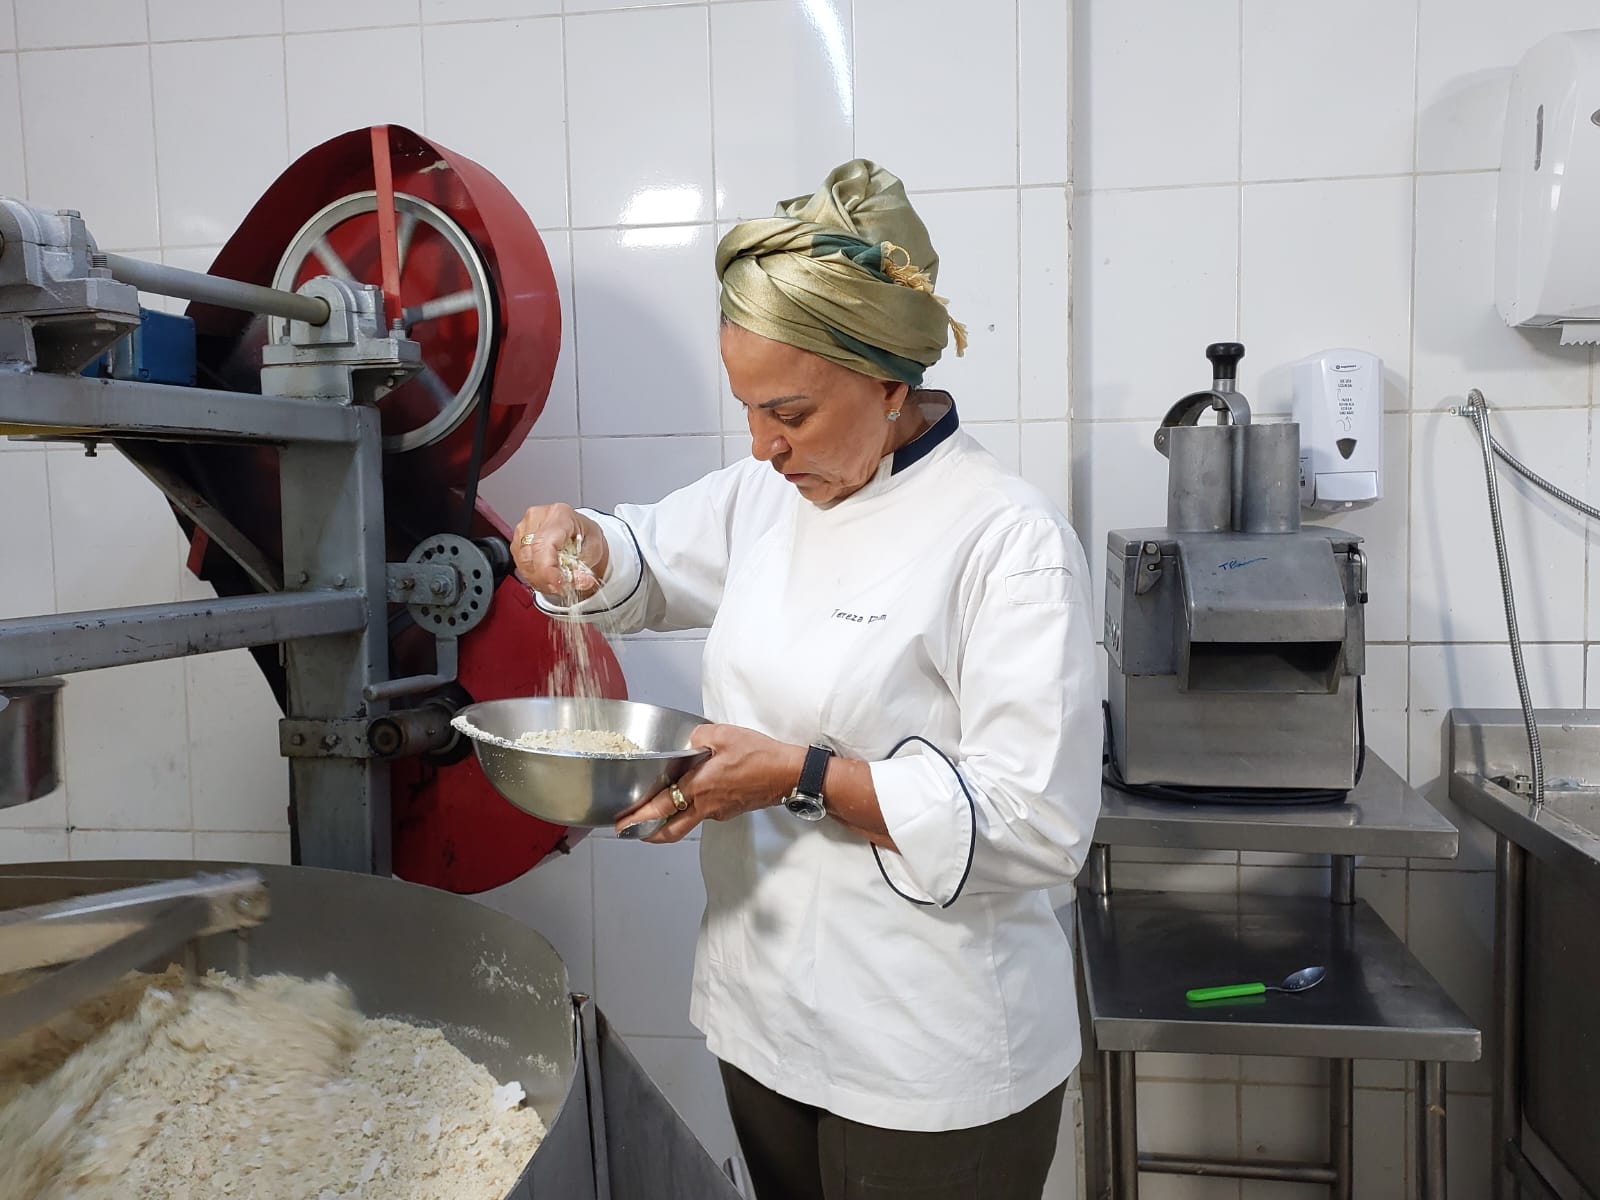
492	986
568	788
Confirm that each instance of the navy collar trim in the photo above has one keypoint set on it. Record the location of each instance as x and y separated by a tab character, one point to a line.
927	441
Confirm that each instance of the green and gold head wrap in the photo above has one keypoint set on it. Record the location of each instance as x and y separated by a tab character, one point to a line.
847	272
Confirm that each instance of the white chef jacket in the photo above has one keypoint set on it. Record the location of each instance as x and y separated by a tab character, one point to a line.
946	599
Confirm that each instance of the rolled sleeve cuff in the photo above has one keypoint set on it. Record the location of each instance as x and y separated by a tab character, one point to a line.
927	814
623	578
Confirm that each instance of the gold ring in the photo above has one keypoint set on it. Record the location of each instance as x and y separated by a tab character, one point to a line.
528	539
679	800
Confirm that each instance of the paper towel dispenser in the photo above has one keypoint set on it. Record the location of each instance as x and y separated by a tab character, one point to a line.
1547	260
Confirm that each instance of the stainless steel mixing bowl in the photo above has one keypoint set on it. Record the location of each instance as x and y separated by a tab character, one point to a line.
567	788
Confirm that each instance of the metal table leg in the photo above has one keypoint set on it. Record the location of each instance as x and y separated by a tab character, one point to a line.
1506	1118
1341	1127
1107	1148
1096	877
1124	1138
1430	1132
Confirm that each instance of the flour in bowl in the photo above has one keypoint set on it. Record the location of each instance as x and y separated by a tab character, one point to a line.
579	741
276	1089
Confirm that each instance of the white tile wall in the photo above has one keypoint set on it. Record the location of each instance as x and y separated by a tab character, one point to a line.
647	906
34	845
645	305
330	92
129	766
1158	278
793	119
1042	301
978	270
524	133
1455	581
482	10
27	583
1143	116
649	163
1044	92
12	180
1324	263
221	133
47	24
89	138
184	20
304	16
934	79
1301	118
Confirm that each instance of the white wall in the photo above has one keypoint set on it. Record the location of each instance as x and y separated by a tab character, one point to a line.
634	134
1305	175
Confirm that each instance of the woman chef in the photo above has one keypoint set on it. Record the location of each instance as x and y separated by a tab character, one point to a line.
906	747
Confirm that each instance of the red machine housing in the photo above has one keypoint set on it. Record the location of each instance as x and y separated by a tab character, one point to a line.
451	829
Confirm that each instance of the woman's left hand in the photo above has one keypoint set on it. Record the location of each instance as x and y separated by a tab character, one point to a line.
746	771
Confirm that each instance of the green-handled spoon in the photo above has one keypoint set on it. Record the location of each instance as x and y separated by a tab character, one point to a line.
1302	980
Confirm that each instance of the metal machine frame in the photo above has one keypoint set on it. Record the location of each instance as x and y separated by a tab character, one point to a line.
61	304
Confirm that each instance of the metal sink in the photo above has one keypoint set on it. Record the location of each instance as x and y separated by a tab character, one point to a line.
1489	749
1547	938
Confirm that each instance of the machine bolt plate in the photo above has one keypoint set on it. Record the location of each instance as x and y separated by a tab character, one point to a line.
300	738
423	582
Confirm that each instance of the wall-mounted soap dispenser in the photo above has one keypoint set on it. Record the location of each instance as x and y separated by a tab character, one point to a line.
1547	259
1338	404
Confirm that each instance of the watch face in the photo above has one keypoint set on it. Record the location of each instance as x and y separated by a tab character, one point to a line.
807	808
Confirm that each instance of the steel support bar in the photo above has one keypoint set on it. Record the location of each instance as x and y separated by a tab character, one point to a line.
1125	1132
1341	1127
41	403
1171	1164
332	535
1506	1103
214	289
1095	877
35	647
1342	880
1430	1114
1106	1143
149	458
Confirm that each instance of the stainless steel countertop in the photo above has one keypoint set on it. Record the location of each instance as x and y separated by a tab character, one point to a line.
1383	816
1489	744
1143	950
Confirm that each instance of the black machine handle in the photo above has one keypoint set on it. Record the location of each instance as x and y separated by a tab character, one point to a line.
1224	358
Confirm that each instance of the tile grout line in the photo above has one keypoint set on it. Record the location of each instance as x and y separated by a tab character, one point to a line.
1016	101
572	271
715	206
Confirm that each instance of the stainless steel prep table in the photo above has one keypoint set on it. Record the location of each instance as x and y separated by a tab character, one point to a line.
1139	952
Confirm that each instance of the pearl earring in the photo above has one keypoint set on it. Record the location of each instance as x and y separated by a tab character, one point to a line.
894	415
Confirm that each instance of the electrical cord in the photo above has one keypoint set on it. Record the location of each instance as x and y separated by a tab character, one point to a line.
1178	794
972	837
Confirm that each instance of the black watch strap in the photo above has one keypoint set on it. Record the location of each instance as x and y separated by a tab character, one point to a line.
806	801
814	771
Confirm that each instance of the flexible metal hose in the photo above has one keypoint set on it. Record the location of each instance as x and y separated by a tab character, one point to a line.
1477	410
1542	483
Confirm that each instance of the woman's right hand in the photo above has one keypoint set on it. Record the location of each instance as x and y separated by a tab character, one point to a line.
540	537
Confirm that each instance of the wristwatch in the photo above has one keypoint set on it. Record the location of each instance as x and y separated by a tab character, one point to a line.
806	801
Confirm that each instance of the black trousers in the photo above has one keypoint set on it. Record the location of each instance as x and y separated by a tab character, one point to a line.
796	1152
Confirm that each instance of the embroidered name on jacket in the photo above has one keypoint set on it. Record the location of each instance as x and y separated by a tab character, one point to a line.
839	614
